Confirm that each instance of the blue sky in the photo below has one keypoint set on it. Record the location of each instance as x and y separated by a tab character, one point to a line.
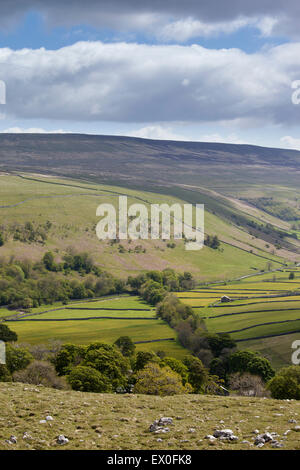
33	32
200	71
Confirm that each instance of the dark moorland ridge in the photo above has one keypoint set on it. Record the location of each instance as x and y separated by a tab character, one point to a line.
135	160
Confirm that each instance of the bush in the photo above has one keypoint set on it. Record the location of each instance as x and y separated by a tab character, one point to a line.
40	373
5	375
88	379
286	384
153	380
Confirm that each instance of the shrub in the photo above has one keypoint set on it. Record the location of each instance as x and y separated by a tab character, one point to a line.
40	373
88	379
286	384
5	375
153	380
247	385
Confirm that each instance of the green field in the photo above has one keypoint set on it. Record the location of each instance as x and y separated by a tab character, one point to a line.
66	326
260	307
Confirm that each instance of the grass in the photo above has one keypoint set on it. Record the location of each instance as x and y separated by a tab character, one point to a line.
250	320
121	422
87	331
106	330
70	206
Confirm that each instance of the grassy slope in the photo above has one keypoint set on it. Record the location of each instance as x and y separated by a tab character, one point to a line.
76	228
121	422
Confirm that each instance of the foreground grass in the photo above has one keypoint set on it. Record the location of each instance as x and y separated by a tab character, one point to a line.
107	421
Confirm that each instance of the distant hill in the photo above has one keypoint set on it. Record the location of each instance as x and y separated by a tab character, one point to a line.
137	161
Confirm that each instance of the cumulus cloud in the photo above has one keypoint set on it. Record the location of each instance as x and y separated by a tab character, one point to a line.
290	142
120	82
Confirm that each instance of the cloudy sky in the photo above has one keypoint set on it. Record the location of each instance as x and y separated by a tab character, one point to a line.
192	70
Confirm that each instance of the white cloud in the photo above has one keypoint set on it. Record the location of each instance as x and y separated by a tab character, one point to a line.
230	139
156	132
138	83
290	142
185	29
31	130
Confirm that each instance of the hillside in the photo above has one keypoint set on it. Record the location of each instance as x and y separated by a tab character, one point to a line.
138	160
67	208
104	421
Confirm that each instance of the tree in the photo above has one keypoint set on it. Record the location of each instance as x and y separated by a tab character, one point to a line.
17	358
152	380
109	361
70	355
177	366
48	261
250	361
143	358
219	342
286	384
6	334
198	374
88	379
292	275
126	345
1	239
219	367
